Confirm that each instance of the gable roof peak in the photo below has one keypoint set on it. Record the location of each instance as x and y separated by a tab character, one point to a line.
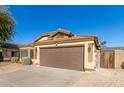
51	34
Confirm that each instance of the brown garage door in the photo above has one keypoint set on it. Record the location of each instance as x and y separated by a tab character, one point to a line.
64	57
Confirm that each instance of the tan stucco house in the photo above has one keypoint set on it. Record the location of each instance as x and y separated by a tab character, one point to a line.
63	49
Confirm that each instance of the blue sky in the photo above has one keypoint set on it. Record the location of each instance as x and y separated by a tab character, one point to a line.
105	21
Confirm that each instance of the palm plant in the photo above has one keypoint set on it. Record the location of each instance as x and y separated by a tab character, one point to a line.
6	24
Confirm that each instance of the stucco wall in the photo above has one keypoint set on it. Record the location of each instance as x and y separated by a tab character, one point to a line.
87	65
90	65
119	58
29	48
98	58
7	53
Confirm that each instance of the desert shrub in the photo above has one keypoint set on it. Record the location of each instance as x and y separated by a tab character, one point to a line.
122	65
26	60
14	59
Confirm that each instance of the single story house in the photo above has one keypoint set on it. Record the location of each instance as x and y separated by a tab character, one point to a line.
63	49
112	57
8	50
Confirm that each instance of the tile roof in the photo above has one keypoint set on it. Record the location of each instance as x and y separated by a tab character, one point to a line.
51	34
72	38
64	40
9	45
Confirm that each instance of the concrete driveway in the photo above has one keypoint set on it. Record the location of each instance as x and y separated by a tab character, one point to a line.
17	75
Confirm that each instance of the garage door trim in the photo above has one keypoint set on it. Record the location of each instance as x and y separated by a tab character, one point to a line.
62	46
83	49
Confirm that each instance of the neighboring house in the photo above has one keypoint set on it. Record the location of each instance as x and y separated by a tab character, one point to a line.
112	57
8	50
63	49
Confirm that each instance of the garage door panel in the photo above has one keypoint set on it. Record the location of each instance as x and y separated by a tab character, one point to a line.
66	57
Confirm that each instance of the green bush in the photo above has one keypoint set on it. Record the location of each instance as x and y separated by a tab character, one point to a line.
14	59
26	60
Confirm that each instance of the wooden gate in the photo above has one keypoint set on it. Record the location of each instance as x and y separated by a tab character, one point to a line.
107	59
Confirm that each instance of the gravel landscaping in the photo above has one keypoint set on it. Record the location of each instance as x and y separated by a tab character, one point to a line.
17	75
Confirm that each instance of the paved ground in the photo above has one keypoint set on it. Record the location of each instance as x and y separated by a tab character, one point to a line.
17	75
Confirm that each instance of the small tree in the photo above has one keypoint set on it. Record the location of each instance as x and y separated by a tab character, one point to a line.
6	24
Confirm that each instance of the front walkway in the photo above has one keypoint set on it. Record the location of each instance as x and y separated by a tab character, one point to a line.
18	75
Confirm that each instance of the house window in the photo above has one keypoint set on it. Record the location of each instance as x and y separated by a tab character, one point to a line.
23	53
32	56
14	54
90	52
